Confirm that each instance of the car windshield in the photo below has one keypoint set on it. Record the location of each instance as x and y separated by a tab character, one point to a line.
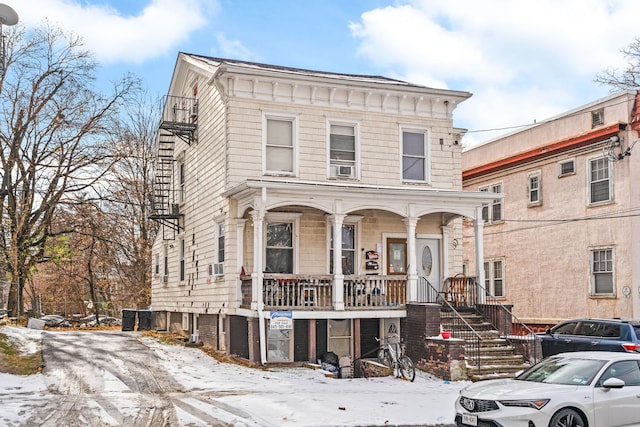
563	370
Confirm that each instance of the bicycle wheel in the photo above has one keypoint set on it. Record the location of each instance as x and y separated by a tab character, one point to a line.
407	370
384	357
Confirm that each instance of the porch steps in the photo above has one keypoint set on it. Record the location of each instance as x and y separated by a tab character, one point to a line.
497	358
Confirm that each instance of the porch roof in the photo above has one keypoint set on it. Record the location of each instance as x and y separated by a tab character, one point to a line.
345	198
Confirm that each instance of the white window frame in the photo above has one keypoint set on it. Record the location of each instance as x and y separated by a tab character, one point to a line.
612	271
609	178
427	153
288	341
334	164
597	118
349	220
534	176
164	278
564	162
182	179
294	219
294	142
491	277
156	264
490	206
217	268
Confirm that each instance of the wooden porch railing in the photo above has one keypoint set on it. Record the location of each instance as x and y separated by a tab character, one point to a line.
309	292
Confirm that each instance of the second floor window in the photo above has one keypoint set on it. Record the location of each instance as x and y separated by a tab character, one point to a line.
535	189
181	182
602	271
494	277
492	212
279	146
342	151
599	180
414	156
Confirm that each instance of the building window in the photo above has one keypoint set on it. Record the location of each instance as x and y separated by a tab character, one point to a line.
492	212
599	180
597	118
280	145
567	168
218	267
165	267
602	271
342	151
494	277
182	261
181	182
279	257
535	189
156	264
348	249
415	158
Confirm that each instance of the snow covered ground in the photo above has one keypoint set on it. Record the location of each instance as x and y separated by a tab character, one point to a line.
274	397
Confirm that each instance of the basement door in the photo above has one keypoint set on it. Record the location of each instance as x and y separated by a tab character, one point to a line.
428	260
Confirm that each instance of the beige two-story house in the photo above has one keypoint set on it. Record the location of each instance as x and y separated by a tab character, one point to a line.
564	242
303	211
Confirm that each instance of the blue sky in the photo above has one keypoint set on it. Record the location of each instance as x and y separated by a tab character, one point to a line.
522	60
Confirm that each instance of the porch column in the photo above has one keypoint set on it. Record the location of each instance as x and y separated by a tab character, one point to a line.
445	251
478	227
412	276
338	277
257	275
240	224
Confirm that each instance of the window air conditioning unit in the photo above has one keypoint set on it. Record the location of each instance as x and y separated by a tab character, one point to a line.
344	171
218	269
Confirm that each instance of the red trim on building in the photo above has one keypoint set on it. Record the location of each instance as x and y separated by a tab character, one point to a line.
545	151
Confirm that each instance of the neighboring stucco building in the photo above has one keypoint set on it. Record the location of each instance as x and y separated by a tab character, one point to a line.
262	170
565	240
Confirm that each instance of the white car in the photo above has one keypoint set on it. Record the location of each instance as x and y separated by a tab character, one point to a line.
591	388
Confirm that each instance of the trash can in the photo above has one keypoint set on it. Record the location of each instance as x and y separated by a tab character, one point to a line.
144	320
128	320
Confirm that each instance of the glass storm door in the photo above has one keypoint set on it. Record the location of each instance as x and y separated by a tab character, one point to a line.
396	256
428	260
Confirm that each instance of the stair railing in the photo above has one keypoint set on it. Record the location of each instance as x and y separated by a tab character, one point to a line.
460	328
533	355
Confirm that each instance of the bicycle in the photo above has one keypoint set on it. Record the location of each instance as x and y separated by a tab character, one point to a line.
392	354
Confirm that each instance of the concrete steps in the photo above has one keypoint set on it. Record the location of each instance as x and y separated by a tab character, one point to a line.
496	358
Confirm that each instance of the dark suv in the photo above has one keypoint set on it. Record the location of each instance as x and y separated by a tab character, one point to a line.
591	335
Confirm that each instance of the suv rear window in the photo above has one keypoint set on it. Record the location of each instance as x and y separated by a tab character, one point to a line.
637	329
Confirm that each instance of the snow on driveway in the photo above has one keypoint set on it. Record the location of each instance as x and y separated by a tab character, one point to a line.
111	378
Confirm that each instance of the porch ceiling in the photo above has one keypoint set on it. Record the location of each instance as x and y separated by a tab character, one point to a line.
345	198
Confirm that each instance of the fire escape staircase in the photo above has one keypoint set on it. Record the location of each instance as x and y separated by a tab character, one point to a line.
178	123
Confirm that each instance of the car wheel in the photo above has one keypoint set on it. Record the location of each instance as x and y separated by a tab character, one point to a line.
567	418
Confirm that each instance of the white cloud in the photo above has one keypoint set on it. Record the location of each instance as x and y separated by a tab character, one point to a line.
521	60
233	49
147	33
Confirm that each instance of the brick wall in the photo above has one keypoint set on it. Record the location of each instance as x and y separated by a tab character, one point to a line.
422	321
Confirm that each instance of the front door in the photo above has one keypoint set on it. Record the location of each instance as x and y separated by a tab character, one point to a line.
396	256
428	260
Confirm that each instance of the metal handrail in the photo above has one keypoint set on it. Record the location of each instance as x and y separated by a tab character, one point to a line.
490	299
460	327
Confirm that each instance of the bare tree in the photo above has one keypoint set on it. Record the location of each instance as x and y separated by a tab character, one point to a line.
628	78
54	128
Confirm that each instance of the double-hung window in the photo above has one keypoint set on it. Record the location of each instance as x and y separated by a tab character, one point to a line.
218	266
535	189
602	271
342	150
348	249
281	242
492	212
182	260
600	188
415	155
494	277
280	145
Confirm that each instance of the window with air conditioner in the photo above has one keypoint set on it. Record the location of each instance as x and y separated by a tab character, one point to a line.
342	150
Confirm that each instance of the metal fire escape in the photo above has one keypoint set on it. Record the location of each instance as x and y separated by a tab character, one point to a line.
178	123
